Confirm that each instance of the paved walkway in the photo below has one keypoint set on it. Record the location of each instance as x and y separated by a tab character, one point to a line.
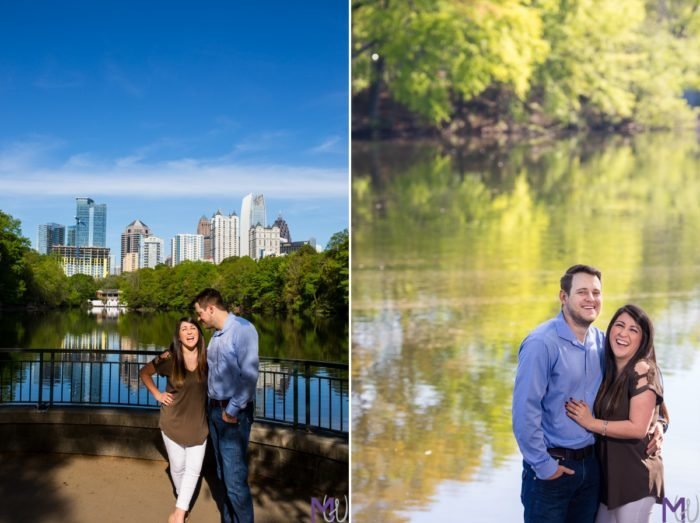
69	488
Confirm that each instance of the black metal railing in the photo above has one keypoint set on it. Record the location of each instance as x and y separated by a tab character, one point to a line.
304	394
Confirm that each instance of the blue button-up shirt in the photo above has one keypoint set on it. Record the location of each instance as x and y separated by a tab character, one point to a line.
554	366
232	357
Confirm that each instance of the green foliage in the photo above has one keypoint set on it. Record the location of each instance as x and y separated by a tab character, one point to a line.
432	50
588	63
81	288
12	263
303	283
47	283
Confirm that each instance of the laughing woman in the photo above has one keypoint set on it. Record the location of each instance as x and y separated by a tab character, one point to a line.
183	421
628	406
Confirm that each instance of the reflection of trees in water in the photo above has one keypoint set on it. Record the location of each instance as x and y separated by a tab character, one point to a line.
464	259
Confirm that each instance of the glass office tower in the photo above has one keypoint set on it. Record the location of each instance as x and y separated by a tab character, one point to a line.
90	223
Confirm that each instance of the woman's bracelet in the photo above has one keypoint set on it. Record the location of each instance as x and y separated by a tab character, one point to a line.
605	428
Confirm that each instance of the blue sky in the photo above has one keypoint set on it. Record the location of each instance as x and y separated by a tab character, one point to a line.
167	111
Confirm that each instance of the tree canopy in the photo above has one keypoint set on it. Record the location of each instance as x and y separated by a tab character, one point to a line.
304	283
587	63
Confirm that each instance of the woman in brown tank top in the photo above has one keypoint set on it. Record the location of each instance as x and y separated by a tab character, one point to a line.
183	420
628	406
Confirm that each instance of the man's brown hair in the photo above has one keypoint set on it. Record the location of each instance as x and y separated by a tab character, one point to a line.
210	296
565	282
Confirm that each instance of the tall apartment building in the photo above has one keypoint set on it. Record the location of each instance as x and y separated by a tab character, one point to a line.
252	213
225	238
151	252
90	223
186	247
133	235
48	235
264	241
204	228
93	261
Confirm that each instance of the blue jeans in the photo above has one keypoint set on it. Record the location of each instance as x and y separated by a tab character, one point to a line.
567	499
230	443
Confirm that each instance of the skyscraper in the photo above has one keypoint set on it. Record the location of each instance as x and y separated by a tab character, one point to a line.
186	247
90	223
50	234
245	224
285	235
204	228
252	213
258	214
151	252
132	237
70	235
224	236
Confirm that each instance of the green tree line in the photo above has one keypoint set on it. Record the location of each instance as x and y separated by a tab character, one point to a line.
528	64
304	283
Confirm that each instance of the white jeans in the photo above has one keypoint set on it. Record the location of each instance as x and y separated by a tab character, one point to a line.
635	512
185	466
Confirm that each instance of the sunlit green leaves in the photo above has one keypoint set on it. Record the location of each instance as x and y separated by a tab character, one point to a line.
588	63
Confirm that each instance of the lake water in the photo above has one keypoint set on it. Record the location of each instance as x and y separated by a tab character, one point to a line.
111	378
77	329
457	255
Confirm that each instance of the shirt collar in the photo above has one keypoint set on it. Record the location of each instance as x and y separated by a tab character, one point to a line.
565	332
227	325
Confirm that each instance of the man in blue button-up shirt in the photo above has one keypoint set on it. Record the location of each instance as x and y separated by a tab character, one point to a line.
560	359
232	359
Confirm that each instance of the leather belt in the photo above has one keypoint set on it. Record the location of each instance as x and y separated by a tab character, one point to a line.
574	454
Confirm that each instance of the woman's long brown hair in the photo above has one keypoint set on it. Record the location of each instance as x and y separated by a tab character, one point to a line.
614	386
179	369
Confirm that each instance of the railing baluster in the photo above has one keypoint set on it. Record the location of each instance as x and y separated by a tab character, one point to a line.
51	378
295	399
307	391
78	369
41	380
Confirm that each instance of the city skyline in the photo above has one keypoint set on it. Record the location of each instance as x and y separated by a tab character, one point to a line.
164	125
117	253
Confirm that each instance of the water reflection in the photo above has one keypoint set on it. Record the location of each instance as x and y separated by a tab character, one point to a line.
456	256
76	329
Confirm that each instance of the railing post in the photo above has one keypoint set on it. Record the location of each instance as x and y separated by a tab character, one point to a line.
295	396
307	398
51	378
41	382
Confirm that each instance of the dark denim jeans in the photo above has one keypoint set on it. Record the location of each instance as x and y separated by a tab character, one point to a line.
567	499
230	443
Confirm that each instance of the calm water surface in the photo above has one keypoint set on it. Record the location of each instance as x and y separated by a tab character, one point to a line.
457	255
76	329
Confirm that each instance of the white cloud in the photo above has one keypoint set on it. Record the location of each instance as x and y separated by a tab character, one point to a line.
328	146
24	173
17	156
